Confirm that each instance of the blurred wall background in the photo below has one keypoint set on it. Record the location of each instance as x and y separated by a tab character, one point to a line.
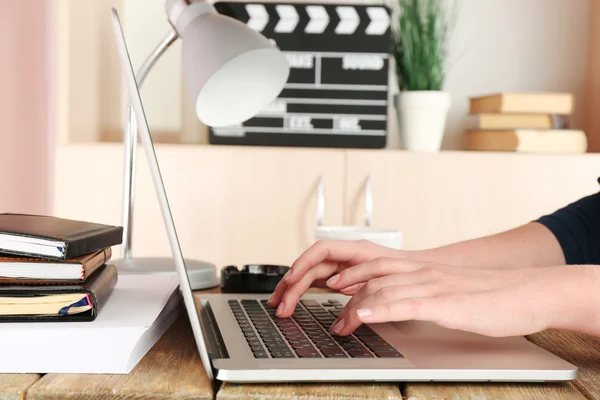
592	98
498	45
26	110
60	79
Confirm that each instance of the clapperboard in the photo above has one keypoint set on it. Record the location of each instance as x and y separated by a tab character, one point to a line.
336	95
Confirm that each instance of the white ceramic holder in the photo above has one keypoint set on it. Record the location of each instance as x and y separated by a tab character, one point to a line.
382	236
422	116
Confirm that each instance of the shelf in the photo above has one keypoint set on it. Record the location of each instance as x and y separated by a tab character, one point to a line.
92	146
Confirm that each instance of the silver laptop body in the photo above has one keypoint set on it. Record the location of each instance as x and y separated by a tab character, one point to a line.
223	326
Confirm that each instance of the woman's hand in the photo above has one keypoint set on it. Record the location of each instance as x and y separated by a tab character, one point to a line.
317	264
492	302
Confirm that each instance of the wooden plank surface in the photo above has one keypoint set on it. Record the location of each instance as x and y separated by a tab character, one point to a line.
14	386
303	391
171	370
581	350
491	391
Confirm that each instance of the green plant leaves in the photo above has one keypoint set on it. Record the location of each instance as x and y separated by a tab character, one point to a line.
419	44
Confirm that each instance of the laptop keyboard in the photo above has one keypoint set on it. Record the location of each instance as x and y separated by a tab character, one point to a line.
305	334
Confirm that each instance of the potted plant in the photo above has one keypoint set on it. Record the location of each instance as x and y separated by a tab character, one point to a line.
419	43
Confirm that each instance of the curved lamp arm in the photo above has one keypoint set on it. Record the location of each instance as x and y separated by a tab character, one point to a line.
130	144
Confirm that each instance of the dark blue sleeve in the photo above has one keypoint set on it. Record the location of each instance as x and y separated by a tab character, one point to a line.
577	229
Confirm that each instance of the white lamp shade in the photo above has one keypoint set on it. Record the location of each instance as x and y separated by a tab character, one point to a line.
230	70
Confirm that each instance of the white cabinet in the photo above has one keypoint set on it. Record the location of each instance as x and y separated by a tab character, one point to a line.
436	199
258	205
231	205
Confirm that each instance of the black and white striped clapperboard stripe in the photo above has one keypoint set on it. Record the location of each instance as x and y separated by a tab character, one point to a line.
336	95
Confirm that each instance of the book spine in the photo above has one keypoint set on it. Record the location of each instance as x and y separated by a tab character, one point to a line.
559	121
101	286
89	243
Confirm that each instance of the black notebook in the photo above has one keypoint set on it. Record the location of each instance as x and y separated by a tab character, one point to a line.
54	238
47	303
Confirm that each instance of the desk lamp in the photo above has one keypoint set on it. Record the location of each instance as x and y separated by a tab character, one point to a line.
231	72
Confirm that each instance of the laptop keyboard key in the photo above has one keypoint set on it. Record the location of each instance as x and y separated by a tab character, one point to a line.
332	352
309	303
360	354
306	332
276	344
299	340
282	354
364	330
349	346
385	347
304	353
327	343
297	346
372	339
279	350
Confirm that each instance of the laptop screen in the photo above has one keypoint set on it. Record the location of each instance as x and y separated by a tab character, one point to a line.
146	139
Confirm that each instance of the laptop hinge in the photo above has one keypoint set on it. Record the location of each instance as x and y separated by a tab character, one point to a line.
215	345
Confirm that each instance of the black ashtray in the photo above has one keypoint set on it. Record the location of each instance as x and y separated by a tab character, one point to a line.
252	278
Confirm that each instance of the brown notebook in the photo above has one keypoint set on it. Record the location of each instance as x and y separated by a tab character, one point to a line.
528	141
489	121
25	270
546	103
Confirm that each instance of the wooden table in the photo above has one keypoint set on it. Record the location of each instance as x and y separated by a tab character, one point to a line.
172	370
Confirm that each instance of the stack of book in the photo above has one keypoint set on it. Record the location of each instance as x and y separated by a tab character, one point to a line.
524	122
54	269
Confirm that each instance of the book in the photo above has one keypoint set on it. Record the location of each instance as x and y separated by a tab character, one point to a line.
139	311
26	270
488	121
44	303
528	140
54	238
545	103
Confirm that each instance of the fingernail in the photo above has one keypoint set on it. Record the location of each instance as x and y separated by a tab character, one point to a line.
332	280
271	299
351	288
279	309
287	275
337	327
364	312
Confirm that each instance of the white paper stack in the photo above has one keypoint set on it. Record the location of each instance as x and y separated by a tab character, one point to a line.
140	309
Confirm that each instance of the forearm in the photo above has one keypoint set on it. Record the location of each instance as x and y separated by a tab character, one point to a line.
570	235
573	304
530	245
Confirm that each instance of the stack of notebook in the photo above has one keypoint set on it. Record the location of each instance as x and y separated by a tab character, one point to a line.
524	122
54	269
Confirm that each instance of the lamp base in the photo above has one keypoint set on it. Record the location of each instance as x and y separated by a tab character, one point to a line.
202	275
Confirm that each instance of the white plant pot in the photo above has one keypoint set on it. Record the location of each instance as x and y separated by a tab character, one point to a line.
422	116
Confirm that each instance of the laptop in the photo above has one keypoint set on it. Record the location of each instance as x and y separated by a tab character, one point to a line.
239	339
